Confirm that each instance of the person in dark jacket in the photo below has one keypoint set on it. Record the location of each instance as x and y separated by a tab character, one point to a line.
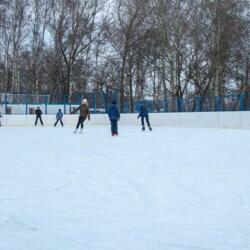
38	113
59	117
0	119
83	115
114	116
143	114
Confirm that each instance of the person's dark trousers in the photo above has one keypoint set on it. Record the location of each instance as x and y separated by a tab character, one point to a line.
80	122
114	127
40	118
58	121
147	120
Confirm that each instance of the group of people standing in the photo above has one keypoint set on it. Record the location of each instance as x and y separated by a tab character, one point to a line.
84	113
38	113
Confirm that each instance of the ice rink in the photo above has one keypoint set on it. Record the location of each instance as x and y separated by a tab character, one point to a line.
170	189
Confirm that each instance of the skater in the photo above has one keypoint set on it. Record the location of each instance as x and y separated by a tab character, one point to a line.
38	113
114	116
0	119
143	114
59	117
84	113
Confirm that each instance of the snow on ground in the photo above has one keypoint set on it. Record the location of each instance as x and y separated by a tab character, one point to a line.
172	189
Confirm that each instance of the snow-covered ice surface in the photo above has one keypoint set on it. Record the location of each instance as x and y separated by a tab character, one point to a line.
172	189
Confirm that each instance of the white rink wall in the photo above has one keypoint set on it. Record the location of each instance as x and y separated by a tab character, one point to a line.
197	119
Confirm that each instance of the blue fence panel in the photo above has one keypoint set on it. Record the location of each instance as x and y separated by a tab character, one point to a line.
99	102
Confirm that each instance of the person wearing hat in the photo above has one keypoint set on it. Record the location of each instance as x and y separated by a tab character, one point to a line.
59	117
114	116
83	115
143	114
38	113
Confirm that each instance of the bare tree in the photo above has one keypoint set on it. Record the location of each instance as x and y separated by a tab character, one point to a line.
164	49
125	30
72	27
40	19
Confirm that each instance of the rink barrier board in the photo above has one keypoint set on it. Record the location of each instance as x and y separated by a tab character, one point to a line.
197	119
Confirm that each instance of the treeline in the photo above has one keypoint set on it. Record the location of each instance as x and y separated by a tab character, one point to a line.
134	48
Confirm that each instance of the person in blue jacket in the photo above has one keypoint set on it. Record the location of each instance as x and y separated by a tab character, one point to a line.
59	117
143	114
114	116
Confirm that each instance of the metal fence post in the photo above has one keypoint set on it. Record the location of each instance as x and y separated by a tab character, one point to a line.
95	102
125	107
182	105
241	102
165	105
221	103
197	104
46	105
26	104
64	104
218	103
6	104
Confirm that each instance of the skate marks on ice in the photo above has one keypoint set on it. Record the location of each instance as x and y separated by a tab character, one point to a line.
93	192
9	221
